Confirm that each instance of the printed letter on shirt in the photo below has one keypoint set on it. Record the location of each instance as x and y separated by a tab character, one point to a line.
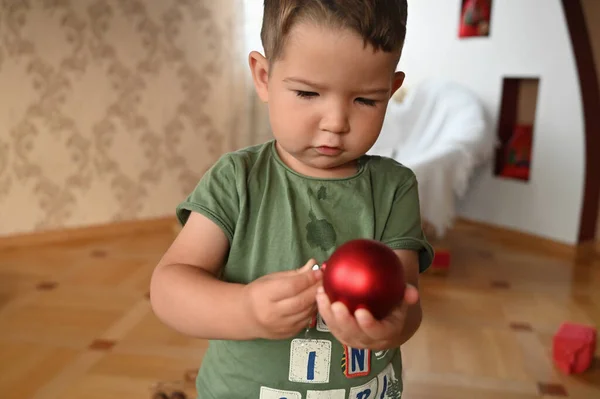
357	362
365	391
270	393
310	360
384	386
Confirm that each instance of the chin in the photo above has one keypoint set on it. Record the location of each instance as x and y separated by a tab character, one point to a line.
334	164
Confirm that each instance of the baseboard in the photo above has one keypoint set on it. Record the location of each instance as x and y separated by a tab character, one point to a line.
582	252
522	240
88	232
588	252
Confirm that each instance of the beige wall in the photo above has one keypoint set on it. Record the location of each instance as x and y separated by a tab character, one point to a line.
112	110
526	107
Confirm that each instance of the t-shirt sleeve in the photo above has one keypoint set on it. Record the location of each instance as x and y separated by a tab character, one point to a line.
215	196
403	229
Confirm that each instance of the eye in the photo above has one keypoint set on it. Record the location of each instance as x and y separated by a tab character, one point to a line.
306	94
365	101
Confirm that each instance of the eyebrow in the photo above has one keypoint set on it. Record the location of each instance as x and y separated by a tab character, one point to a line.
318	86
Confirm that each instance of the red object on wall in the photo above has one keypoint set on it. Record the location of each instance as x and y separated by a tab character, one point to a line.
517	156
573	348
475	18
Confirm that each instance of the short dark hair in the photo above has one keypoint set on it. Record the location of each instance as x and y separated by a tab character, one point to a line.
381	23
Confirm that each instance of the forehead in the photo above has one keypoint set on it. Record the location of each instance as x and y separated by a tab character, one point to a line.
333	55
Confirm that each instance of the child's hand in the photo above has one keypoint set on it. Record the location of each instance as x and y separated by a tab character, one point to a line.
282	304
363	331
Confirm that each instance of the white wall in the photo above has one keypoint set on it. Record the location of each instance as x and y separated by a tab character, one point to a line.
527	38
253	16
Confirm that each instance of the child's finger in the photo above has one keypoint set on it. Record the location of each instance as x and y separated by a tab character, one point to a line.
294	272
411	295
376	330
299	302
303	317
339	320
308	266
365	319
294	284
344	324
324	306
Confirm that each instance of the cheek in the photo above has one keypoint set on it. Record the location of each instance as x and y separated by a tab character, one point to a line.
290	119
369	122
291	111
278	107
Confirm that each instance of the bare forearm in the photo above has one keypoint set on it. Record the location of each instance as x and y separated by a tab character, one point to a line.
196	303
414	316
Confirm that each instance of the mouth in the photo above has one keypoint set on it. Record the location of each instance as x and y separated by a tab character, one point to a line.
329	151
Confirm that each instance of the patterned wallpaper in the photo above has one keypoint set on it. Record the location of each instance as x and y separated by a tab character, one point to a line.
112	109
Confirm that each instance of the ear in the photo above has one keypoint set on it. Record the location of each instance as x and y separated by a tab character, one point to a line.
398	81
259	67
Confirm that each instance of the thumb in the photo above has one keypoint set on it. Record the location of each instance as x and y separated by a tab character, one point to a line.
308	266
304	269
411	295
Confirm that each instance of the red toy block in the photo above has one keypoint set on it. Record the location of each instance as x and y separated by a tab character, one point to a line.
441	260
573	348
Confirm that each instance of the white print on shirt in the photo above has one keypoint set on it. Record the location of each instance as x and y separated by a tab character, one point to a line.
321	326
270	393
310	361
388	386
356	362
381	354
333	394
384	386
365	391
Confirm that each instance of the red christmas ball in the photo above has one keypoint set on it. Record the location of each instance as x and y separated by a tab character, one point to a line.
365	274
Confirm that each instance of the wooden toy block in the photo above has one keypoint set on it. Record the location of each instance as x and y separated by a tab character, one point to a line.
442	259
573	347
441	262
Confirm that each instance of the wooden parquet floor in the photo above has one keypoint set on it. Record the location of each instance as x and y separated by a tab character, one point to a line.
75	321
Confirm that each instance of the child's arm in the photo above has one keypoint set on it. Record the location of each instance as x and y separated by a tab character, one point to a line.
414	312
184	291
187	295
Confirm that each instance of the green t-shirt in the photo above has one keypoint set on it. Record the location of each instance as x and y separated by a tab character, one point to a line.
277	219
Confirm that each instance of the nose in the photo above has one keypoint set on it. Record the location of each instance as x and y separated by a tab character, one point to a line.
335	119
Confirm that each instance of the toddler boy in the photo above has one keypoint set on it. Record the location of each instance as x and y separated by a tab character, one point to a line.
234	274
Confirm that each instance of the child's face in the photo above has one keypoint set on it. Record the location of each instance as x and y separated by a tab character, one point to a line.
327	97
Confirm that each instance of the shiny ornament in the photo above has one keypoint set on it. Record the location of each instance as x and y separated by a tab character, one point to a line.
365	274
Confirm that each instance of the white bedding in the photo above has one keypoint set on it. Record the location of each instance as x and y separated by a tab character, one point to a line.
439	131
